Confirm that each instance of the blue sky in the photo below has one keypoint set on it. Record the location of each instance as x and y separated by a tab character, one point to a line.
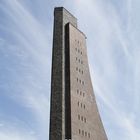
112	30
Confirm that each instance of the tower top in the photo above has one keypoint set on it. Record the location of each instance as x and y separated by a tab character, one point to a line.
63	9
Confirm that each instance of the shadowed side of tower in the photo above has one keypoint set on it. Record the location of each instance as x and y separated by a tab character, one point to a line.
57	114
74	114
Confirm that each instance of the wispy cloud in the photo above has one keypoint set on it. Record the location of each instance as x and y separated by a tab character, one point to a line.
111	62
15	135
27	47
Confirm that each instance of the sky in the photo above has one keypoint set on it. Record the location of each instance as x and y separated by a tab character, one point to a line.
26	31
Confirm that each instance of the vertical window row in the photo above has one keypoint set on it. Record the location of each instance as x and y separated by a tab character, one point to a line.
81	105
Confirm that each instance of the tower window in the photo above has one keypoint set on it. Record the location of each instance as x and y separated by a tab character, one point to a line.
84	106
85	120
83	132
83	94
78	117
77	79
81	105
82	118
89	135
77	91
78	103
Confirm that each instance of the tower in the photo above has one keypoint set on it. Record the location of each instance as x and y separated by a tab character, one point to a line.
74	114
